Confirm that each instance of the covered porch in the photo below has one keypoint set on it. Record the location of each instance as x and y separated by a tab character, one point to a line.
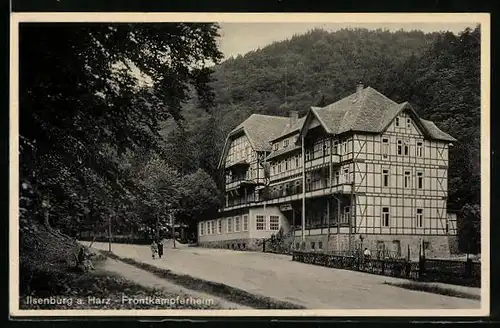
332	211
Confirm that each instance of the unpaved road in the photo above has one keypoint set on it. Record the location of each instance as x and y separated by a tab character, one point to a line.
278	277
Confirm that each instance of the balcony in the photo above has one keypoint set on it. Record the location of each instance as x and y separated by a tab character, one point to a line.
242	163
243	183
344	222
286	174
240	204
322	161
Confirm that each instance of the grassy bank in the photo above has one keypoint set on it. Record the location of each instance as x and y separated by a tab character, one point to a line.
47	262
229	293
434	289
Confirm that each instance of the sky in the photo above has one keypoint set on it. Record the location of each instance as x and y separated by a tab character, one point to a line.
240	38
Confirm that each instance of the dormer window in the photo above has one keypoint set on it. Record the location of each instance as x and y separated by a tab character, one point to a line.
285	143
276	146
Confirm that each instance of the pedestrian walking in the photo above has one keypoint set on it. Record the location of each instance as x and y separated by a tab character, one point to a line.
154	249
160	249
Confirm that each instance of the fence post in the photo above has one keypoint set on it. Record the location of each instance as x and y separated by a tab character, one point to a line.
421	264
383	259
468	268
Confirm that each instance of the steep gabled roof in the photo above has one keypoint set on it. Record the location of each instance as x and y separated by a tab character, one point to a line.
369	111
364	112
291	128
260	130
436	133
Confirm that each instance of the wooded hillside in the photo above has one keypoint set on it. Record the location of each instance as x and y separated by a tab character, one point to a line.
437	73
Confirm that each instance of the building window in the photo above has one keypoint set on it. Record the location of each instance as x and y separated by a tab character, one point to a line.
385	216
326	148
208	227
285	143
385	147
202	228
236	224
420	180
274	168
337	177
400	147
385	178
245	222
408	123
288	164
420	149
313	245
335	148
212	226
345	147
397	121
229	225
407	179
219	226
346	175
279	167
297	161
276	146
347	212
420	217
308	155
259	222
320	245
407	149
274	222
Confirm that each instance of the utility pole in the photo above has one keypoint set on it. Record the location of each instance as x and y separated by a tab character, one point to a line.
157	227
109	233
303	191
172	219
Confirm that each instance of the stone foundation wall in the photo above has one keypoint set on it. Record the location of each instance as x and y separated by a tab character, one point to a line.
247	244
436	246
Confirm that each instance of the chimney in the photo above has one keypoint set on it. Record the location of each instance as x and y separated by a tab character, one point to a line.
294	116
359	89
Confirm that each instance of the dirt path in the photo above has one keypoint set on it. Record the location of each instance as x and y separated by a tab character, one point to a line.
279	277
147	279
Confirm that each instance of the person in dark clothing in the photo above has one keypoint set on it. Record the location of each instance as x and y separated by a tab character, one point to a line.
160	249
81	256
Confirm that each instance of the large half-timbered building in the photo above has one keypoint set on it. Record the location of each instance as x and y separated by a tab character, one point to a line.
364	171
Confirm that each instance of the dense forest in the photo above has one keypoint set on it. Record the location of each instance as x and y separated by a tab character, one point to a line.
96	142
438	73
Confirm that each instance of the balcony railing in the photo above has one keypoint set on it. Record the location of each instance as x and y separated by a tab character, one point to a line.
241	183
343	222
319	161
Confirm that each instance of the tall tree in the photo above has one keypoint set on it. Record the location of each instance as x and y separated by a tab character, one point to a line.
89	92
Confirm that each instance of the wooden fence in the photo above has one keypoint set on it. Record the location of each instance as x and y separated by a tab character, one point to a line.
465	273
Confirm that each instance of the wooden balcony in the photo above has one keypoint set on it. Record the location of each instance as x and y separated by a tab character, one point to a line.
241	184
242	163
322	161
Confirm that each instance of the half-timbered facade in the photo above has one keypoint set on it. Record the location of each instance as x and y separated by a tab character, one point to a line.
362	172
